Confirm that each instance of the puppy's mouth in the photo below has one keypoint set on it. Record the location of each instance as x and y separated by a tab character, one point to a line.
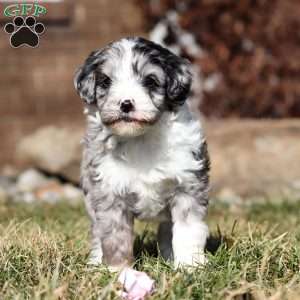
127	119
130	125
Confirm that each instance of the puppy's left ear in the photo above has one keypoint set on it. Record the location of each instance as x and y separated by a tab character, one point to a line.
179	81
84	79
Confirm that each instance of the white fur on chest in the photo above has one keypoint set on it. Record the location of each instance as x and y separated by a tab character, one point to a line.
153	166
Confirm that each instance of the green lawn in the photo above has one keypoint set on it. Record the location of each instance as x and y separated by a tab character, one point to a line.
43	253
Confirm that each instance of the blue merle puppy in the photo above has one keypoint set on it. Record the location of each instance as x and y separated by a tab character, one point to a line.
144	156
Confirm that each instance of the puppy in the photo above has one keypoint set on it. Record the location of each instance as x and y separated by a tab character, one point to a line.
144	155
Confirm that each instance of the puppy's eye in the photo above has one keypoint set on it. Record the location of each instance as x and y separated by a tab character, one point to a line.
151	81
103	80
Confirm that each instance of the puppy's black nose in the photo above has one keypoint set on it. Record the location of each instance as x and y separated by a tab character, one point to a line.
126	106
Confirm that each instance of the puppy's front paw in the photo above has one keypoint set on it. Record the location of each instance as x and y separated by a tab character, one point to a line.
95	258
190	260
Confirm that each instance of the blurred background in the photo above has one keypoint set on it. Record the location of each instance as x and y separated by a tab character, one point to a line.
246	63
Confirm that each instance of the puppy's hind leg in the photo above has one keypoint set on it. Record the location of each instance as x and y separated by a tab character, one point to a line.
164	238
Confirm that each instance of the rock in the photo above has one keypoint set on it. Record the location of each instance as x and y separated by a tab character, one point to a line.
51	192
255	158
72	193
32	186
23	197
55	192
30	180
54	150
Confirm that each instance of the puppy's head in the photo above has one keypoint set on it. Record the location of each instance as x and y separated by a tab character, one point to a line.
132	82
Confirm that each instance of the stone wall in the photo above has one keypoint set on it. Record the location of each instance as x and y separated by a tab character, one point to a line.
249	158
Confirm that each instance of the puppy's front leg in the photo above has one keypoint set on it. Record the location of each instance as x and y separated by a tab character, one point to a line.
96	253
189	231
115	226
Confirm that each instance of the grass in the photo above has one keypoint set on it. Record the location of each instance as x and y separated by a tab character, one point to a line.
44	248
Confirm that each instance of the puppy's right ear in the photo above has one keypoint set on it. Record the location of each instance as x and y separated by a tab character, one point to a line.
84	80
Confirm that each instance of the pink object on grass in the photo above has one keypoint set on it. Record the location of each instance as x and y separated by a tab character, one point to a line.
137	285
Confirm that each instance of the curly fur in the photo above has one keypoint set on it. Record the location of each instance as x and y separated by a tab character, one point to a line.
148	163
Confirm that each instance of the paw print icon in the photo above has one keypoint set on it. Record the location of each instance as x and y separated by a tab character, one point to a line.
24	32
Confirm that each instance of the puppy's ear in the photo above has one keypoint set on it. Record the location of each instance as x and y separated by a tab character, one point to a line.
179	81
85	78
